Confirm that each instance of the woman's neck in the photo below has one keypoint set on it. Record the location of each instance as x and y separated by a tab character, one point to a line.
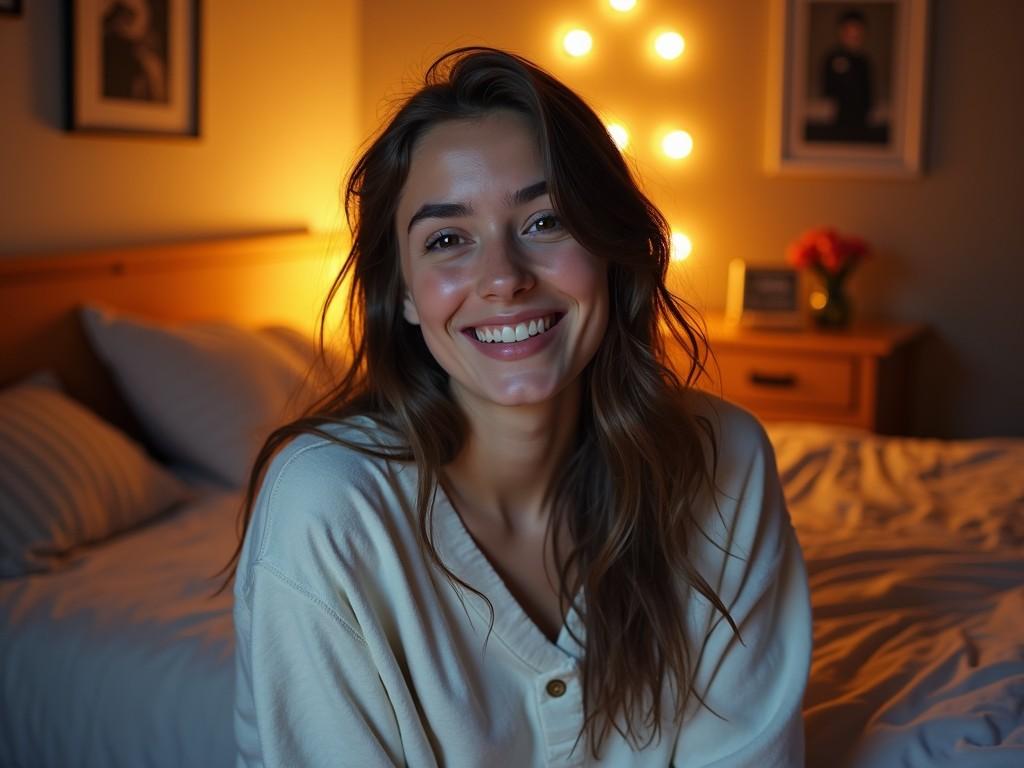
510	458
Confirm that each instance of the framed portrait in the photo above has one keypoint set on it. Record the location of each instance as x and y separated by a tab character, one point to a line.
847	87
10	7
132	66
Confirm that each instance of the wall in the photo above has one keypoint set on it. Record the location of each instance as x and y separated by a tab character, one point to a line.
287	95
279	85
950	245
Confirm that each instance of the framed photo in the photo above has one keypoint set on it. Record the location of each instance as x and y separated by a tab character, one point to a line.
132	66
765	297
10	7
847	87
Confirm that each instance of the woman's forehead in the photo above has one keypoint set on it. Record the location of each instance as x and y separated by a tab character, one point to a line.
473	155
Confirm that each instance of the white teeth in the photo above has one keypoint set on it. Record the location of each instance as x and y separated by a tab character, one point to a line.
508	334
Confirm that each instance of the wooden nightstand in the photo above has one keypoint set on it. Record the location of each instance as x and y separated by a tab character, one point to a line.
857	376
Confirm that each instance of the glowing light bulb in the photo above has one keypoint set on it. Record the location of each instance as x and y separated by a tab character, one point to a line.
817	299
577	42
622	5
669	45
619	134
677	144
681	247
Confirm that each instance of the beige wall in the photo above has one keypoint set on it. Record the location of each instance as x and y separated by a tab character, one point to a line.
950	244
279	84
288	90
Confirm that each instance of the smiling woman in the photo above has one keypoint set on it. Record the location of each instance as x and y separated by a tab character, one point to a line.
512	452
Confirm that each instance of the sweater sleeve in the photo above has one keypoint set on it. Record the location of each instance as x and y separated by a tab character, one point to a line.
307	690
752	685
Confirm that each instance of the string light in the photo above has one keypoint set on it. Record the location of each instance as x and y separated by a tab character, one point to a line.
619	134
669	45
681	247
577	42
622	5
677	144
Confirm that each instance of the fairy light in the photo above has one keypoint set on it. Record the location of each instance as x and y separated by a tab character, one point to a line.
677	144
619	134
577	42
681	247
622	5
817	299
669	45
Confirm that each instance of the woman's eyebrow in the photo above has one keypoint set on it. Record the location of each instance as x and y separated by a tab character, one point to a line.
453	210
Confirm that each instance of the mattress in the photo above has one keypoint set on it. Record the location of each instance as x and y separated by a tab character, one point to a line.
124	657
915	553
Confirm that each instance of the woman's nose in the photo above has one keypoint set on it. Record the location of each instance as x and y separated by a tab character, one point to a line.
504	272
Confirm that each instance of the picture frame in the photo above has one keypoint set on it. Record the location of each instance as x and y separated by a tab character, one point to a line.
846	87
10	7
132	67
772	297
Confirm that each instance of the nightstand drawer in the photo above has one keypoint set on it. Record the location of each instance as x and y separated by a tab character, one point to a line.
819	381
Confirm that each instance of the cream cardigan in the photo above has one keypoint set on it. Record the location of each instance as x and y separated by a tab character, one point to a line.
354	650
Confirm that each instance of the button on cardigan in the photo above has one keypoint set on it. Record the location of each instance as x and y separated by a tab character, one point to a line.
353	649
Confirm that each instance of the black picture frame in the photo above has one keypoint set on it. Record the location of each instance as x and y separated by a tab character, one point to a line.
10	7
132	67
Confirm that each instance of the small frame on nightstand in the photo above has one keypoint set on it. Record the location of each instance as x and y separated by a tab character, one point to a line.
765	297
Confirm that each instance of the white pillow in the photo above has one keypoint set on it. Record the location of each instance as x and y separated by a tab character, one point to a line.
207	394
68	478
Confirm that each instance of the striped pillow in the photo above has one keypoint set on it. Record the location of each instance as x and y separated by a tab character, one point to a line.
207	394
68	478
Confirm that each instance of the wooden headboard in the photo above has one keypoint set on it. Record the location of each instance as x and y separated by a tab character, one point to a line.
261	280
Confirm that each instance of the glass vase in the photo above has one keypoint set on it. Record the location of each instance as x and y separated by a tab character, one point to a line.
837	309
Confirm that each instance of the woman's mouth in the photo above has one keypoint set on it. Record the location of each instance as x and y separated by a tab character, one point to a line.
510	334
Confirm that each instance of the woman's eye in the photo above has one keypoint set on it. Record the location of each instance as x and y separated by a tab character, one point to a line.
443	240
548	222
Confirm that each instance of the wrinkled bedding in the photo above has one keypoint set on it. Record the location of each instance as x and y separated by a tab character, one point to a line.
123	658
915	553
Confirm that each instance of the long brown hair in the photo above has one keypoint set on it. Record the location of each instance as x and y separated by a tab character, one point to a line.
628	489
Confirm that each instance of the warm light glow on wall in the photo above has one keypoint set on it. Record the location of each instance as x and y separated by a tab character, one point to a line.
619	134
669	45
677	144
577	42
681	247
622	5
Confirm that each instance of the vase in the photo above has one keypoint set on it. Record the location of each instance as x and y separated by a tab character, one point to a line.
836	311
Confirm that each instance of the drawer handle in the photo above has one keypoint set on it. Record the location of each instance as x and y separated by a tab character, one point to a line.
776	380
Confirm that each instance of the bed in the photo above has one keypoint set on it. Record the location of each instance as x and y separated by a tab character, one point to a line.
116	652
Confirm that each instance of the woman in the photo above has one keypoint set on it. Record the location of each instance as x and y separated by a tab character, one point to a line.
511	535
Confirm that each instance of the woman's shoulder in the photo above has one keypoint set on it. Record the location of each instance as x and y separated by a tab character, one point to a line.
745	511
320	489
739	437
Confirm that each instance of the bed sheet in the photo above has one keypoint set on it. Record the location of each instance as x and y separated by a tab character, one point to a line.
915	554
123	658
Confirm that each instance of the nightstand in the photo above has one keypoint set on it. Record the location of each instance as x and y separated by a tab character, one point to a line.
856	376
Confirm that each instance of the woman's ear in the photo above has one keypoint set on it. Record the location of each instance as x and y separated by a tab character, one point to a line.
409	310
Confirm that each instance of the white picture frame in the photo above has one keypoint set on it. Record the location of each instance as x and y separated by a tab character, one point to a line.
843	101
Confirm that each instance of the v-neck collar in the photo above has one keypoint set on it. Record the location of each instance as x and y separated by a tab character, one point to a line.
461	554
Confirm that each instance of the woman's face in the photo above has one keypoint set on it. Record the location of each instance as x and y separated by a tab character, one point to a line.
509	304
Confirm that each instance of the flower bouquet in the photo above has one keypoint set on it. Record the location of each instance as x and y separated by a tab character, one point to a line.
832	256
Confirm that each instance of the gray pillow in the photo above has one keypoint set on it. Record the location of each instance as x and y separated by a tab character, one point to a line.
207	394
68	478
